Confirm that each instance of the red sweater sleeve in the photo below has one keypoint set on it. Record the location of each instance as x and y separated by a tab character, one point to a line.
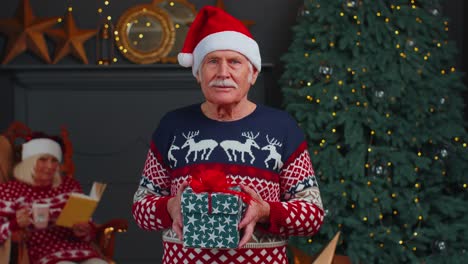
150	200
300	212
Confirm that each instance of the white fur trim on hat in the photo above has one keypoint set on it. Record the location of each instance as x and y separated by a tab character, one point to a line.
41	146
227	40
185	59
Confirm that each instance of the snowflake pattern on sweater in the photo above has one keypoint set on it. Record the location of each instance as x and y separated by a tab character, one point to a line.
50	245
265	150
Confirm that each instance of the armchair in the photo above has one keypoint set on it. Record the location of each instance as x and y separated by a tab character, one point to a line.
9	154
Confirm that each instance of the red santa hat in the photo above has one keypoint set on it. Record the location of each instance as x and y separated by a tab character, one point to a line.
214	29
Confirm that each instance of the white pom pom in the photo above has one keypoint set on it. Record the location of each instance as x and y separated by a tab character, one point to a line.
185	59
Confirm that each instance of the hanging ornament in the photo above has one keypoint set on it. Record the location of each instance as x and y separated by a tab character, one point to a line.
378	170
303	11
442	101
440	245
379	94
410	43
434	11
325	70
444	153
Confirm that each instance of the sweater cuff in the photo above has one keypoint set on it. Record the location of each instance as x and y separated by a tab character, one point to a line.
14	224
277	216
164	215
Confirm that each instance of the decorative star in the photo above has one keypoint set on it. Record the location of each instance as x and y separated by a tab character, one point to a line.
70	39
230	239
191	207
191	220
247	23
26	32
212	237
203	228
221	228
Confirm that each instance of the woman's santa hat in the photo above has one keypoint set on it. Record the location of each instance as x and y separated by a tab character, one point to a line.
41	146
32	150
214	29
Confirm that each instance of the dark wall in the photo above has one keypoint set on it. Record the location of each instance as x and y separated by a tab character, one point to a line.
271	30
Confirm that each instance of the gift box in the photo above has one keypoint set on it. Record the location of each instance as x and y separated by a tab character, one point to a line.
211	219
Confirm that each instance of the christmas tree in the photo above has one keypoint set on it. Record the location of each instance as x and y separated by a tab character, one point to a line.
374	87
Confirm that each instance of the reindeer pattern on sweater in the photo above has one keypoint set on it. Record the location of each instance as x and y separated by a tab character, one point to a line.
235	144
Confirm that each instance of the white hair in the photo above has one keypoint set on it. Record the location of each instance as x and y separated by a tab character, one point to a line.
25	170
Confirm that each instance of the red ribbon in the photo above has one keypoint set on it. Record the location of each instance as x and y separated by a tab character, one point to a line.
211	181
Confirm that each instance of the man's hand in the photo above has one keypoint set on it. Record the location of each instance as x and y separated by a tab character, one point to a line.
258	211
175	211
81	229
23	217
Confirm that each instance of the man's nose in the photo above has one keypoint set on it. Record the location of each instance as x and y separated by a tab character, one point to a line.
223	70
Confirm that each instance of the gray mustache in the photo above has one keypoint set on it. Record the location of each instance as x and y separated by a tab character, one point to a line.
223	83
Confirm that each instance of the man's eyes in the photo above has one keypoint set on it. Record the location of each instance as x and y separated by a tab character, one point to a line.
214	61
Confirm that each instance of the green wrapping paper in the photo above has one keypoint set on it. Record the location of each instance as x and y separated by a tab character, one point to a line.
211	219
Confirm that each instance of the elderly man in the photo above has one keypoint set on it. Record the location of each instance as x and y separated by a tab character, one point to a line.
259	148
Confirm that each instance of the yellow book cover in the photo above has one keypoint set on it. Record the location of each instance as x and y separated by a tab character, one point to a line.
80	207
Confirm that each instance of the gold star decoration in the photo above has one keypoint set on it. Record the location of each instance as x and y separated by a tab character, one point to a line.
70	39
26	32
247	23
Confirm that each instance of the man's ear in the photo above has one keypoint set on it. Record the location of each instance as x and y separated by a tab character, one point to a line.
198	77
254	76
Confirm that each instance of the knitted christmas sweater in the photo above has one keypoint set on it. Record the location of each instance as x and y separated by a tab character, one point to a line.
54	243
265	150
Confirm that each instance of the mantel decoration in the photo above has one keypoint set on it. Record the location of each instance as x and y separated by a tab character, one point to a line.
105	38
25	32
145	34
182	14
70	39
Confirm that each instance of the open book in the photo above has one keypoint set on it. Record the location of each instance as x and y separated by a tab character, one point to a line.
80	207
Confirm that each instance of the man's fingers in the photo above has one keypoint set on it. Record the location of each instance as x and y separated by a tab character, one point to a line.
249	191
248	217
177	227
247	235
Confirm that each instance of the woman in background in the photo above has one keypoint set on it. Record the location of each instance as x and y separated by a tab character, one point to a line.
38	180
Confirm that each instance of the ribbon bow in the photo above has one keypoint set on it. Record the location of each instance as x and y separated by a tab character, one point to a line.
211	180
